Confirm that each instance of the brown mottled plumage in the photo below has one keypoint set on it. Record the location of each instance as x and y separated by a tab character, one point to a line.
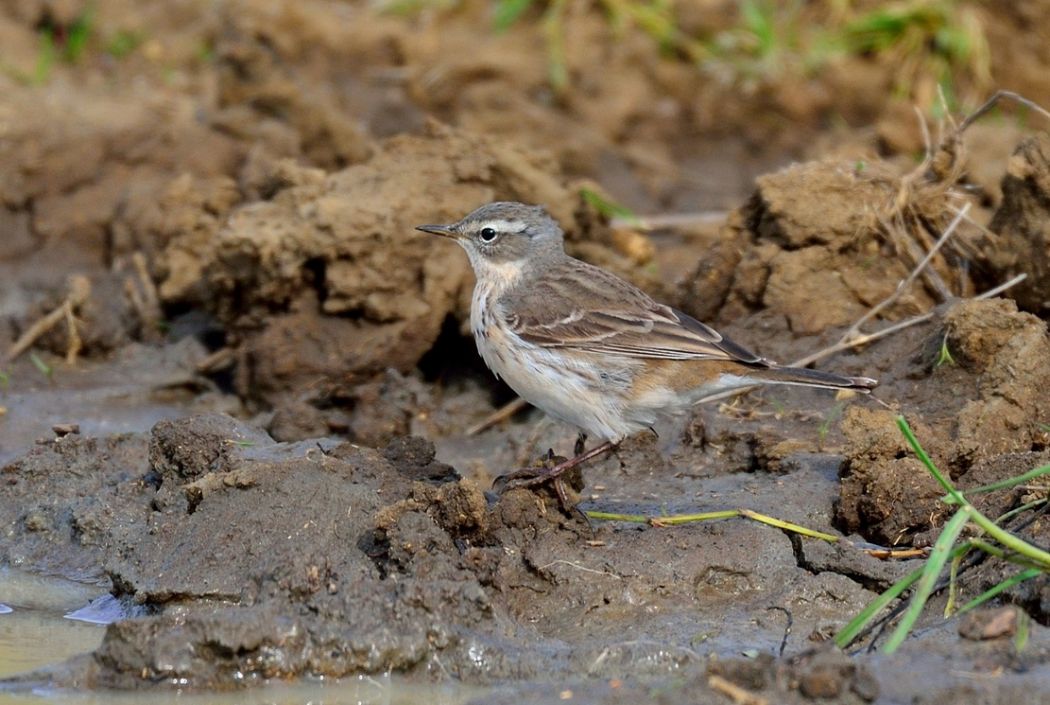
588	347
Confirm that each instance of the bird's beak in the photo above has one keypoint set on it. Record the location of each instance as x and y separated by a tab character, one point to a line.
442	230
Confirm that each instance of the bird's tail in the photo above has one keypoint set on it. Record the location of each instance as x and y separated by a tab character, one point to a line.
805	377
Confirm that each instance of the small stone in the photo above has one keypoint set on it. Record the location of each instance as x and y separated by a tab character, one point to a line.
821	682
66	429
989	624
36	520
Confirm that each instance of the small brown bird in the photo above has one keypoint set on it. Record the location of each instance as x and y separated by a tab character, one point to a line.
589	348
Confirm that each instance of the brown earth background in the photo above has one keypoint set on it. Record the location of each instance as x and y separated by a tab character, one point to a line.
211	205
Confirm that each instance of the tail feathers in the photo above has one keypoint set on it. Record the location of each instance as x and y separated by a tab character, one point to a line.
814	378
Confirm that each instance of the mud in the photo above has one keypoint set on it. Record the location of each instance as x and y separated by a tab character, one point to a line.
360	544
976	416
257	560
326	278
1020	224
250	429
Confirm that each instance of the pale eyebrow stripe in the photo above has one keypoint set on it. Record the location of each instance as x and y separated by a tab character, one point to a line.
505	226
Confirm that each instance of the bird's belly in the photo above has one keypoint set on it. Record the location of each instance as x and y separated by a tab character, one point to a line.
568	387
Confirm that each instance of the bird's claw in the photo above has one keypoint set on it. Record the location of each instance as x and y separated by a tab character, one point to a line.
525	478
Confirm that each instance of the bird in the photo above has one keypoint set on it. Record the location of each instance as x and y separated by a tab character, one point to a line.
589	348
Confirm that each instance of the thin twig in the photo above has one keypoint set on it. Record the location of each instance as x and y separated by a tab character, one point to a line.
499	415
907	281
994	100
79	291
734	692
899	326
670	220
995	291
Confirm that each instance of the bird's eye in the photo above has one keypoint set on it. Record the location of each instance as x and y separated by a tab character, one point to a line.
488	234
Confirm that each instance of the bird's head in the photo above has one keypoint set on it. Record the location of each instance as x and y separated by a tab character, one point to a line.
504	234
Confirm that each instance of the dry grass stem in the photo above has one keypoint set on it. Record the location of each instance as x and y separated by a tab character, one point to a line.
75	342
734	692
670	220
896	327
906	283
79	292
221	359
142	293
994	100
498	416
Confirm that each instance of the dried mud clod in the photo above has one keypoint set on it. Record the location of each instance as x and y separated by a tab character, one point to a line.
186	449
328	282
1019	238
297	570
980	416
838	233
61	502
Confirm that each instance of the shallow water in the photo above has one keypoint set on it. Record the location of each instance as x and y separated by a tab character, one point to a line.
38	632
35	632
366	690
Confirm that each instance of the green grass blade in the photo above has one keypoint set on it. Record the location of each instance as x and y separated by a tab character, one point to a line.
1019	510
848	633
1003	484
667	519
953	586
1004	585
77	36
608	207
902	424
508	12
758	19
942	551
41	366
554	31
45	58
1024	625
1008	540
788	526
1011	542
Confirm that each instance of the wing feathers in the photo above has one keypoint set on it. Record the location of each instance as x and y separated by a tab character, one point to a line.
606	315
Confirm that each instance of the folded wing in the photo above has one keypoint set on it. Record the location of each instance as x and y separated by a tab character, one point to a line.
600	313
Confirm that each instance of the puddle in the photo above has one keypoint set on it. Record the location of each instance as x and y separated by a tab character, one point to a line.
35	632
51	619
365	690
30	639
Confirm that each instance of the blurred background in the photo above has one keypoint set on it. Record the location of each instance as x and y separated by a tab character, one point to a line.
669	105
209	206
242	178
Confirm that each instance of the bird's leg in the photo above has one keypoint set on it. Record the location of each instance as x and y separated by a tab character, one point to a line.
530	477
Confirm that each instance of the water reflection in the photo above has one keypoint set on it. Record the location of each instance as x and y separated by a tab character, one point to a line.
53	619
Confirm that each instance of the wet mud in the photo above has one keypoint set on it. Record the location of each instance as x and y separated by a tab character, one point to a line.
249	423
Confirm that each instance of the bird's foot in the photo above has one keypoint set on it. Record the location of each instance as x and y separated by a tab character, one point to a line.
556	471
552	470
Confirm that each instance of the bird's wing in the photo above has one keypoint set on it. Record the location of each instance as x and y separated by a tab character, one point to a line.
600	313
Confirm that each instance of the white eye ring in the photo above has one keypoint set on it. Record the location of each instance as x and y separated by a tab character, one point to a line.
488	234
